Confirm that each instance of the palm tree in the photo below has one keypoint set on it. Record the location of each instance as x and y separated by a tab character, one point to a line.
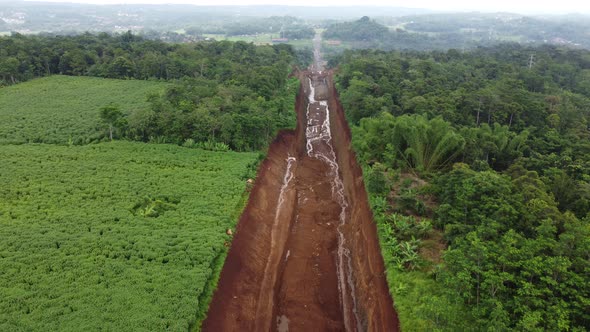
427	145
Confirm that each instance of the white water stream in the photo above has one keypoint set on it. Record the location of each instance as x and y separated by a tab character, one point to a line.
319	145
268	281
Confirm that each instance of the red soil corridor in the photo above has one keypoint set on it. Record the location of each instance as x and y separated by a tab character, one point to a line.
306	256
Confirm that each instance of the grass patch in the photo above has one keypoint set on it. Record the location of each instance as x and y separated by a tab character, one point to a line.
301	43
422	305
74	255
65	109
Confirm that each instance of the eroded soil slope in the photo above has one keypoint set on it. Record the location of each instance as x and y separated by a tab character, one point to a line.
306	255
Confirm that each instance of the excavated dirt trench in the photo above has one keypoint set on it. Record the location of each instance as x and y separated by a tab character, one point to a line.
306	256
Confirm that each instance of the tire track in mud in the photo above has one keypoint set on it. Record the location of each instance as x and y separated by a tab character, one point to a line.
305	255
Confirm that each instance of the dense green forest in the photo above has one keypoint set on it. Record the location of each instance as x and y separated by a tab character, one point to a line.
234	94
478	168
130	56
115	236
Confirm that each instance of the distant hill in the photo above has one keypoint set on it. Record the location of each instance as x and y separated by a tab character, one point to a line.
461	31
364	29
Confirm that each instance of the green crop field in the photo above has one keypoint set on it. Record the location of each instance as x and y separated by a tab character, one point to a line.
262	38
115	236
301	43
63	109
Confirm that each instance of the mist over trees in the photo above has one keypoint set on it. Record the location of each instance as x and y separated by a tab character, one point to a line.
459	31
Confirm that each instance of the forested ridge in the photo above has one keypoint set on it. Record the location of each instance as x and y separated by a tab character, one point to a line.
128	55
477	164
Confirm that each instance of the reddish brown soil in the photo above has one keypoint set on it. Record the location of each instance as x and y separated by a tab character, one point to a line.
307	293
282	271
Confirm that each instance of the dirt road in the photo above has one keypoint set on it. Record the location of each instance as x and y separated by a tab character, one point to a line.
306	254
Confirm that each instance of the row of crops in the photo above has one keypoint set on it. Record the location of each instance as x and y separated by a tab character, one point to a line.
65	110
113	236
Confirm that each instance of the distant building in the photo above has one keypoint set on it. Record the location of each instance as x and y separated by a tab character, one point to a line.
560	41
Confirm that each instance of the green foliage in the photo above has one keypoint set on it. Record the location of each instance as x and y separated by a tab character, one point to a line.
376	179
154	207
429	144
490	96
299	32
516	255
526	283
570	194
422	305
130	56
112	116
401	235
400	244
189	143
408	201
369	34
413	142
420	302
470	199
226	95
496	145
58	109
217	116
113	236
213	146
505	258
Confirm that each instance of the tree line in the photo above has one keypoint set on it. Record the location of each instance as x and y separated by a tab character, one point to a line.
233	93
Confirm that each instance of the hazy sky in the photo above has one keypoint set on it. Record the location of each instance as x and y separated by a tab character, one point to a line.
555	6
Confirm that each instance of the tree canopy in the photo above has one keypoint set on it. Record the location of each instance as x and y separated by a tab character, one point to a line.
478	168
